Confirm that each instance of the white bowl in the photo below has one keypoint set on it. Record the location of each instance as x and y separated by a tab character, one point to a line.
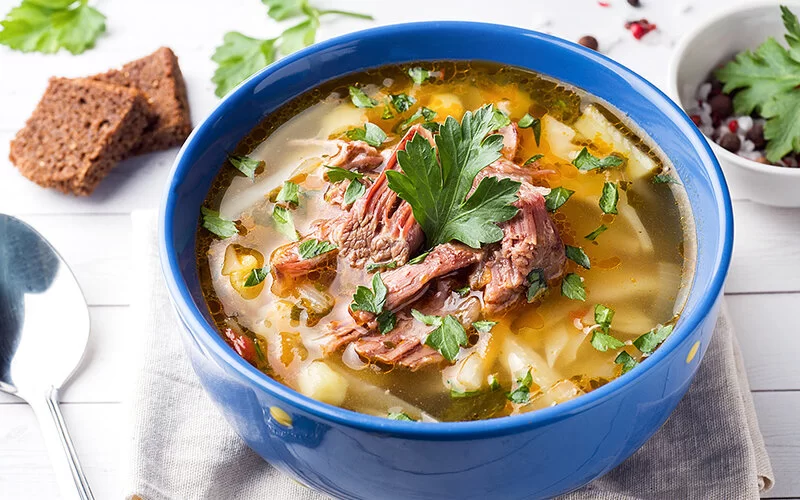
713	42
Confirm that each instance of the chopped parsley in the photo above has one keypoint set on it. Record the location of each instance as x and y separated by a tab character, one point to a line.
522	394
422	113
427	319
463	394
419	258
419	75
216	224
360	99
377	266
532	123
402	102
338	174
626	360
648	342
499	118
533	159
373	301
284	222
371	134
586	161
604	341
309	249
494	383
463	291
245	164
448	337
436	185
289	193
572	287
597	232
603	316
537	285
665	179
256	276
386	322
400	416
484	326
578	256
609	198
353	192
557	197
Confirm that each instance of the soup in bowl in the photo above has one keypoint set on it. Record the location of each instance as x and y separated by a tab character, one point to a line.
459	249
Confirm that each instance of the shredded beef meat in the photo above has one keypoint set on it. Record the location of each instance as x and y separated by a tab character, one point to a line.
510	135
334	194
380	226
288	267
355	155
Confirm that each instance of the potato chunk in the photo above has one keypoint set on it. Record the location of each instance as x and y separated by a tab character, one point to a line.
318	381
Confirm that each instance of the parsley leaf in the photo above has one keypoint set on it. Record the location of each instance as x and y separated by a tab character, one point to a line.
494	384
447	337
422	113
289	193
499	119
387	113
463	291
48	26
665	179
533	159
402	102
609	198
419	75
537	285
256	276
280	10
245	164
572	287
484	326
418	259
237	58
626	360
371	301
374	266
371	134
386	322
557	197
360	99
354	191
338	174
603	316
427	319
298	36
603	341
400	416
314	248
521	394
463	394
597	232
284	222
586	161
648	342
578	256
436	186
534	124
216	224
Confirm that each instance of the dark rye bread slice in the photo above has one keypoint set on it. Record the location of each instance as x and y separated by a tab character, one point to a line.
79	130
159	77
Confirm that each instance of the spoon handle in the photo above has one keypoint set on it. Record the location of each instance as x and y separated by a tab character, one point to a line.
69	475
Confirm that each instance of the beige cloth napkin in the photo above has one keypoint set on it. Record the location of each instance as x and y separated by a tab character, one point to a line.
180	447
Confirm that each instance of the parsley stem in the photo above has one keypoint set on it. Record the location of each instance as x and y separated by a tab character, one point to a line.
346	13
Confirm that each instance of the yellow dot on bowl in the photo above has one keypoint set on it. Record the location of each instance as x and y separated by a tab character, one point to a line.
280	416
692	352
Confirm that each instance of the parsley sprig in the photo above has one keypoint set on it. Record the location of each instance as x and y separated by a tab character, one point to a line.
373	301
436	186
241	56
50	25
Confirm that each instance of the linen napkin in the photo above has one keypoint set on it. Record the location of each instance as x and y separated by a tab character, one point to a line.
180	447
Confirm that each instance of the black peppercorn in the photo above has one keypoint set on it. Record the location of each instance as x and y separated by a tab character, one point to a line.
730	142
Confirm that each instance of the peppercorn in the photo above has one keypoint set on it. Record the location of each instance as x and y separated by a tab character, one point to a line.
756	135
730	142
589	42
634	3
721	106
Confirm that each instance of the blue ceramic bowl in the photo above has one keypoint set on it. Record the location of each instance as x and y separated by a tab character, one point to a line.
536	455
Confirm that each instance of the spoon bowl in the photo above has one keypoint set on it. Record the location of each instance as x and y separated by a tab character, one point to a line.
44	328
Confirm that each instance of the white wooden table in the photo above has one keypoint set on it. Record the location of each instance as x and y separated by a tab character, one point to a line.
763	290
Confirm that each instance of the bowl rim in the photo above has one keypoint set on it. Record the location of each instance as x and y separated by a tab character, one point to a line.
209	338
686	42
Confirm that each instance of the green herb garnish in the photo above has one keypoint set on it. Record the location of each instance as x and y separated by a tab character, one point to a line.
284	222
572	287
309	249
597	232
360	99
603	316
648	342
586	161
767	81
609	198
533	159
522	394
603	341
578	256
499	118
400	416
256	276
484	326
463	291
534	124
419	258
447	337
665	179
537	285
289	193
626	360
419	75
402	102
463	394
338	174
557	197
494	384
353	192
241	56
436	185
216	224
386	322
427	319
50	25
373	301
371	134
422	113
375	266
245	164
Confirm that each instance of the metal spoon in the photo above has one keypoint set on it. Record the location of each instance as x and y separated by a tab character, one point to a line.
44	326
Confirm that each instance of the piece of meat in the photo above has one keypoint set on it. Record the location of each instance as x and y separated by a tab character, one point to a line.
337	335
505	169
510	135
355	155
380	226
288	267
407	283
334	194
403	347
530	241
